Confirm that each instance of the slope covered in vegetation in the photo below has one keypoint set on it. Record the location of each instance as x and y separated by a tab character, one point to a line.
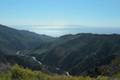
82	54
19	73
12	40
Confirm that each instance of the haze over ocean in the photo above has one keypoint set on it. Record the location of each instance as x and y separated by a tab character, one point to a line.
57	31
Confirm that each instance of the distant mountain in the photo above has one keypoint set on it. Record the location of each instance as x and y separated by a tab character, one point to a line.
12	40
82	54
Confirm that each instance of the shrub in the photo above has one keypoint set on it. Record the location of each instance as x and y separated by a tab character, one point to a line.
102	78
19	73
5	76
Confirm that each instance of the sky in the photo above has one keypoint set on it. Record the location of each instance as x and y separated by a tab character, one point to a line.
90	13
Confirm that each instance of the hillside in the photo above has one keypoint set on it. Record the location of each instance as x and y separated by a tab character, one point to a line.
82	54
12	40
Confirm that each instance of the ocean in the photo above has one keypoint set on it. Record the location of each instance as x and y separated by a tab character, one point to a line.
57	31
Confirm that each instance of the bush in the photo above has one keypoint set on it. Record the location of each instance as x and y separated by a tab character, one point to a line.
19	73
26	74
102	78
6	76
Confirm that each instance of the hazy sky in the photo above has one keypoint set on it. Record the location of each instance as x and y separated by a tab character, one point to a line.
91	15
60	12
